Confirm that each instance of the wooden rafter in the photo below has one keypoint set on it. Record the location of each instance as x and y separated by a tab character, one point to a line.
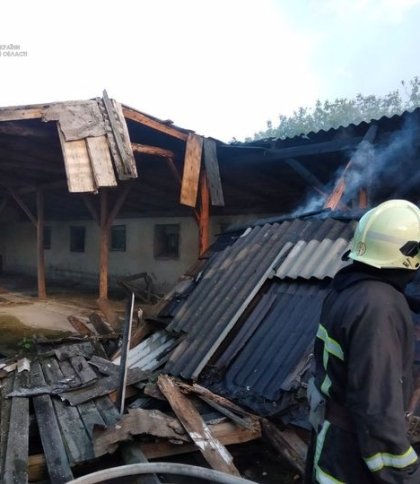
307	175
152	150
18	199
141	118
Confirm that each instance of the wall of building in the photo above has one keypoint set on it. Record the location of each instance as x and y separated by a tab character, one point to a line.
18	249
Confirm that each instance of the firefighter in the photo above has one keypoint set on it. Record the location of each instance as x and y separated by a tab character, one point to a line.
364	354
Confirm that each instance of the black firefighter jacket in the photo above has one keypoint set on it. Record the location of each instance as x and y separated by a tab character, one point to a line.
364	354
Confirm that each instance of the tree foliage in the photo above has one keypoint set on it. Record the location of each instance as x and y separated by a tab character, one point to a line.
343	111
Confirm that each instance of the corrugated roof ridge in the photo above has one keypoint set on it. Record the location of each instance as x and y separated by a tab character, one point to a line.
331	130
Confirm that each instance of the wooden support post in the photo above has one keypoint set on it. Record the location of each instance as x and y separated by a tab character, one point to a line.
42	291
204	236
104	246
105	222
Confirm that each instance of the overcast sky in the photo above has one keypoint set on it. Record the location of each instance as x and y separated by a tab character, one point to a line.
219	67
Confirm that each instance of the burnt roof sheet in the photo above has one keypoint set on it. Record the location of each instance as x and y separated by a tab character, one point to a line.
270	345
235	275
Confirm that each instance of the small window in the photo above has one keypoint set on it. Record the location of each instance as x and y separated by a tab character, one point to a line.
118	238
47	238
166	243
77	239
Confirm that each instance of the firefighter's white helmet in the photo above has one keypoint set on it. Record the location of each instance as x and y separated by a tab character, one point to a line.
388	236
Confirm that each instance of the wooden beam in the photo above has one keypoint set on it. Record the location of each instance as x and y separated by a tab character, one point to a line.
141	118
119	203
204	235
152	150
212	450
191	173
307	175
23	206
91	208
363	198
211	164
335	197
17	114
42	291
60	184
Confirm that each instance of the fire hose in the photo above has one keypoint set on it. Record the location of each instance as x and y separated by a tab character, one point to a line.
161	468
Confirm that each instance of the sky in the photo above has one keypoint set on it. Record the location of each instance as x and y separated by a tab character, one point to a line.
222	68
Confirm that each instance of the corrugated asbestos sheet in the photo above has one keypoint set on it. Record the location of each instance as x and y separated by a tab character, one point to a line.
234	276
151	353
264	358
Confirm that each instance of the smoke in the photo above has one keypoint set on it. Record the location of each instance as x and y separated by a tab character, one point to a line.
386	170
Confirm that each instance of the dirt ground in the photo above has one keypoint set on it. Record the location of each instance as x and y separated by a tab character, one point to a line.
23	316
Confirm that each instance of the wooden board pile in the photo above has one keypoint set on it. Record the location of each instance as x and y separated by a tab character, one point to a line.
59	416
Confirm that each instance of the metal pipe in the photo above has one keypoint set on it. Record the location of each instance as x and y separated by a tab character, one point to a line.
161	468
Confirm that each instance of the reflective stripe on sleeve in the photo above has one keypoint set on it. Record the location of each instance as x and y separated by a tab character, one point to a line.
380	460
321	476
330	344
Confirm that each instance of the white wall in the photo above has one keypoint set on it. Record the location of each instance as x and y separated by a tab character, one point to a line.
18	249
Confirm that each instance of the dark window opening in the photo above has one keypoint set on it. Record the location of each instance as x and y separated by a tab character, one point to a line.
47	238
166	242
77	239
118	238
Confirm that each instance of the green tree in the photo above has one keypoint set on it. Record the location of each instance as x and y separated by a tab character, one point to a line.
343	111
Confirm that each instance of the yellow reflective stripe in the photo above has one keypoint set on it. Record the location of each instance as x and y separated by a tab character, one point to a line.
330	344
380	460
326	385
321	476
324	478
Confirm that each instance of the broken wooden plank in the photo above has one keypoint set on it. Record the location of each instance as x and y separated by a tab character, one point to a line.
224	402
213	451
138	421
192	166
100	158
73	432
6	405
80	326
66	352
213	173
227	433
83	370
129	161
99	324
287	443
104	386
52	443
88	412
15	466
77	163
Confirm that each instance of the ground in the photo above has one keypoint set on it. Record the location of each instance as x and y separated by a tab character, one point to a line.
24	316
